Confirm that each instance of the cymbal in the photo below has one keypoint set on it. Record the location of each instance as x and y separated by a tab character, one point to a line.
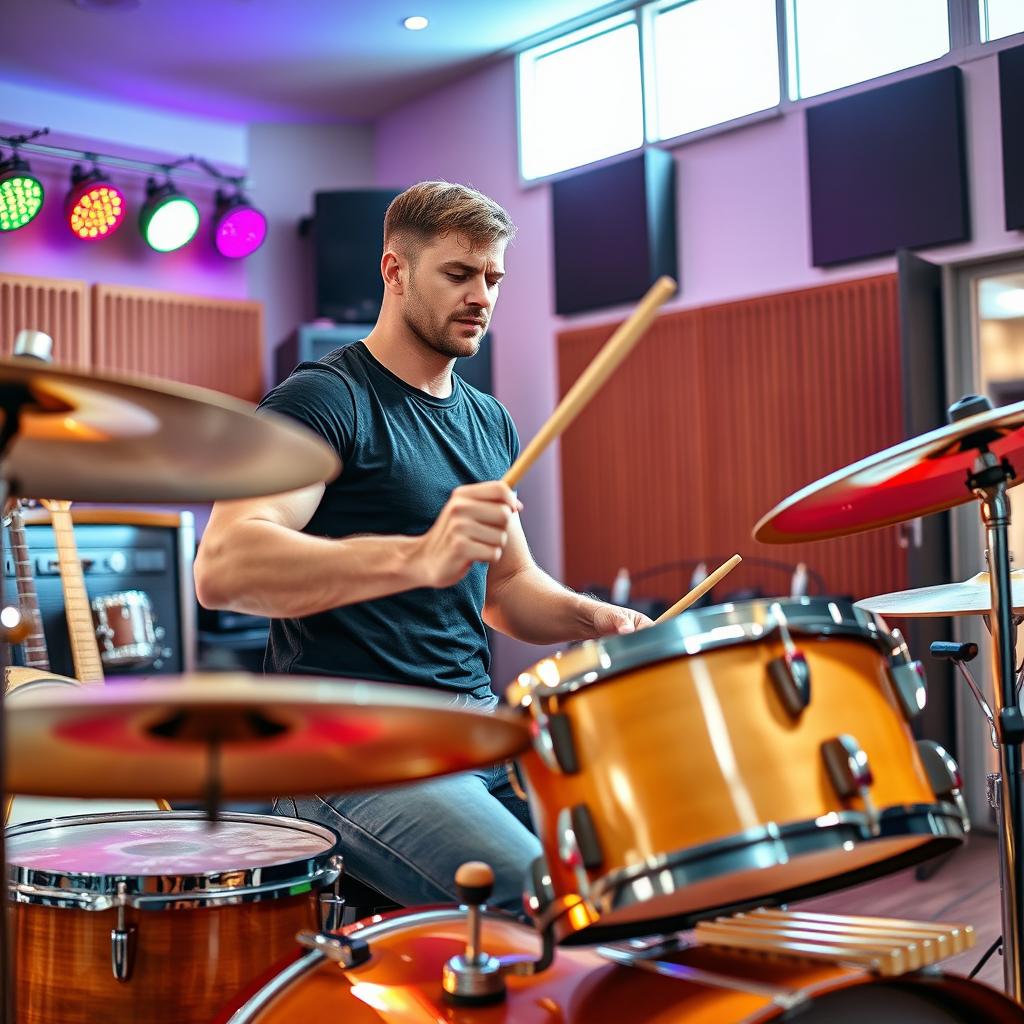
919	476
92	437
971	597
273	735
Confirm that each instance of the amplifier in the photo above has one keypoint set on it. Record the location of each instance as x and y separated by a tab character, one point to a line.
121	550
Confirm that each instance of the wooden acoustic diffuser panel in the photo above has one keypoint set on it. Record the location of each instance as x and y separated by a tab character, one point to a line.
718	414
215	343
60	308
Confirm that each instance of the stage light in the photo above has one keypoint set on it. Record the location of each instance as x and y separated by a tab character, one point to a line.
415	23
168	220
238	227
94	208
21	194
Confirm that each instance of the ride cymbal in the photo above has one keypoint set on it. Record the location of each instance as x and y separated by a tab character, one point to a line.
89	437
919	476
972	597
244	736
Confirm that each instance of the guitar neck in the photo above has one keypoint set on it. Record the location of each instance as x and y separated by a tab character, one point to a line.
84	650
34	645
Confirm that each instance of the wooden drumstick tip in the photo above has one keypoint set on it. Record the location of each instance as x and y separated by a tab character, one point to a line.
474	874
701	589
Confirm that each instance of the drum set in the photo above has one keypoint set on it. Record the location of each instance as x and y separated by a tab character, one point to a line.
700	774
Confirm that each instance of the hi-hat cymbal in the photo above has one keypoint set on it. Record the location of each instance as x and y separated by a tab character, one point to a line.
89	437
972	597
919	476
272	735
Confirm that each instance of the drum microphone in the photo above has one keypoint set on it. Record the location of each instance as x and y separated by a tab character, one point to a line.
798	585
621	587
35	344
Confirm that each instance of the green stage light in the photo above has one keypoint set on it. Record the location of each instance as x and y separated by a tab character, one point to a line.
168	220
21	194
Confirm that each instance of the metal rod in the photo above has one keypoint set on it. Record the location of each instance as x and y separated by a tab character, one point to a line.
208	173
473	956
7	993
995	514
965	674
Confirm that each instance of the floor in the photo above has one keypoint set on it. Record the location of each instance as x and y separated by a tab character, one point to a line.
964	889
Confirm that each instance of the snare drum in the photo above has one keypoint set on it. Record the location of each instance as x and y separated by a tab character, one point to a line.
125	629
728	756
401	983
157	917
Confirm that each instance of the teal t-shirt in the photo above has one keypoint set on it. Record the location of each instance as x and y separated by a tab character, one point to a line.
403	452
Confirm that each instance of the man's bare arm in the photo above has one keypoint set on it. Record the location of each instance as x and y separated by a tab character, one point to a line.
254	558
524	602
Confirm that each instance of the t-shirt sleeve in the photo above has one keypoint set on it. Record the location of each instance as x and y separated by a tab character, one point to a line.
512	434
322	400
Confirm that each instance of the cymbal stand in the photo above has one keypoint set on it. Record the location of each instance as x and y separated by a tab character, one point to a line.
989	482
13	399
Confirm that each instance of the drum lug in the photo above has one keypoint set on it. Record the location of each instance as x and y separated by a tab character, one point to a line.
339	949
791	676
122	939
332	906
911	686
540	893
907	676
578	844
553	740
944	776
850	772
790	673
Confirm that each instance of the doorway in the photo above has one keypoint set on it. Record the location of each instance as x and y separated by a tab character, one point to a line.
984	355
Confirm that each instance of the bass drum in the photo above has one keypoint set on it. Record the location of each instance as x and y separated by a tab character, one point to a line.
401	983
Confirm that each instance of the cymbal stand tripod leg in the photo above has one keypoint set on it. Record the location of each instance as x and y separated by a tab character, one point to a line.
988	483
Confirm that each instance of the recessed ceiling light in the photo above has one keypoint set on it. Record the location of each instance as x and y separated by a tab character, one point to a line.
415	23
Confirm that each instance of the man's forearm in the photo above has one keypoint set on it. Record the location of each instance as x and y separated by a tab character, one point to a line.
267	569
534	607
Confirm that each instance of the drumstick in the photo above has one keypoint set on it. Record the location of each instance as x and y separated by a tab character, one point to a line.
700	590
604	363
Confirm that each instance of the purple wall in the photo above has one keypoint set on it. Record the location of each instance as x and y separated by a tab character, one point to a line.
743	231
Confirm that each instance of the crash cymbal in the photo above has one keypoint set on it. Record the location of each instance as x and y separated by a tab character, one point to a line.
972	597
273	734
91	437
919	476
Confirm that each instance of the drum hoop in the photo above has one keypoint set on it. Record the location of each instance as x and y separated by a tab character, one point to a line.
697	632
767	846
272	989
134	651
125	597
225	886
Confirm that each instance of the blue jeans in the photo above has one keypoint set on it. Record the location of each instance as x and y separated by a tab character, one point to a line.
407	841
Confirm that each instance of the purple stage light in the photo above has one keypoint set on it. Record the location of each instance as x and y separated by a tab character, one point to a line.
238	228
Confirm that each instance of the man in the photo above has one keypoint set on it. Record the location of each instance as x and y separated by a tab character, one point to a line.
390	571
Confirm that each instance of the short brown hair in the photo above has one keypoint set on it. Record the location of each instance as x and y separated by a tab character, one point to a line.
436	208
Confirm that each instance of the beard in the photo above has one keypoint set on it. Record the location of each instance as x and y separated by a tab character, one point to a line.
440	335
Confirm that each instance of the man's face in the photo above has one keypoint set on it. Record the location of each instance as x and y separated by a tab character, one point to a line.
452	291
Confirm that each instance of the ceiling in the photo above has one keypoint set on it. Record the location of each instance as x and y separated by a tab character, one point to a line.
265	60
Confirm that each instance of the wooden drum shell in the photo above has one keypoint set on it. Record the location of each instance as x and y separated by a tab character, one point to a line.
188	962
401	983
695	750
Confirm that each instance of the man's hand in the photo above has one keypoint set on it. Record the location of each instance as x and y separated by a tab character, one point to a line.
610	619
472	527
